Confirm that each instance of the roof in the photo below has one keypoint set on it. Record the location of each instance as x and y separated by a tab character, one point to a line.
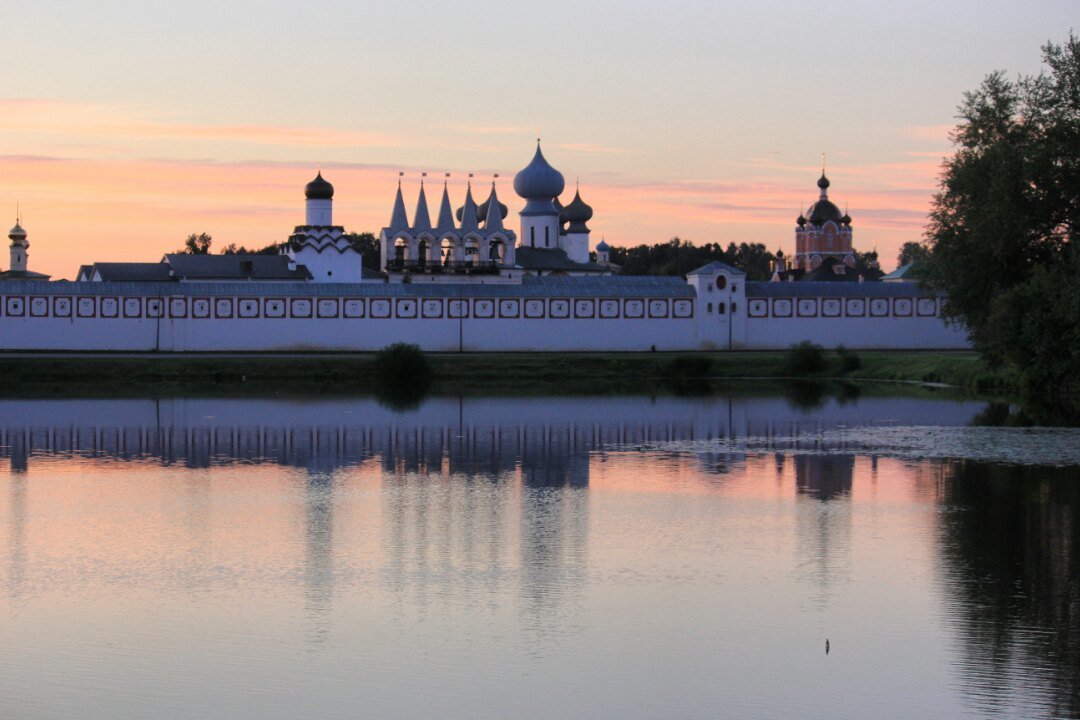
235	267
764	288
643	286
9	275
533	258
129	271
904	272
714	267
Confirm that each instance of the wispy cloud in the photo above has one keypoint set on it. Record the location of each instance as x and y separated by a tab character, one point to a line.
80	120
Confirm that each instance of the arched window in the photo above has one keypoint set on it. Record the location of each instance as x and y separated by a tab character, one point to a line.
708	288
733	308
721	282
721	308
709	308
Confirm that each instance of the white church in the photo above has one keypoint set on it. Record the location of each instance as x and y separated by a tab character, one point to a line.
466	282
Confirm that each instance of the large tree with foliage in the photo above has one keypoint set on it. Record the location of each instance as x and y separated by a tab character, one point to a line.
1002	227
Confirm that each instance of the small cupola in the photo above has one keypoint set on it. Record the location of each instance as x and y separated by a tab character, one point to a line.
319	189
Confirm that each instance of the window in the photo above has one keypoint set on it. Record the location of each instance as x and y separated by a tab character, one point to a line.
532	236
709	308
708	288
721	282
734	287
547	238
721	308
733	309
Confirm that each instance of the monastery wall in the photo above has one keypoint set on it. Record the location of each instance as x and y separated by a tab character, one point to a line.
615	314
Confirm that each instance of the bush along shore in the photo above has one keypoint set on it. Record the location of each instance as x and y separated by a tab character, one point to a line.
405	369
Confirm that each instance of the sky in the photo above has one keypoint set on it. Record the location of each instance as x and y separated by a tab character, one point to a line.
126	126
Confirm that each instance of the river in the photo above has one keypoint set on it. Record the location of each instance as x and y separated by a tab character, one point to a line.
752	555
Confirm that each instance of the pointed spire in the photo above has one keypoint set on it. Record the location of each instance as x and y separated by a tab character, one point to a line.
446	212
398	219
422	219
493	221
469	221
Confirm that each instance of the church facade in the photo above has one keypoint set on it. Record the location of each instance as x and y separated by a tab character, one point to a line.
465	282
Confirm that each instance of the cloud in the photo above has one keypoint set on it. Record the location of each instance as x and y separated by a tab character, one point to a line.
41	116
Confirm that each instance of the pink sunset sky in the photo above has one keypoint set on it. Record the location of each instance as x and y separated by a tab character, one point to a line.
126	127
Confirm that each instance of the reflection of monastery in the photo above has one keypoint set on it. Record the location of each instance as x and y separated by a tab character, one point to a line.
547	439
465	281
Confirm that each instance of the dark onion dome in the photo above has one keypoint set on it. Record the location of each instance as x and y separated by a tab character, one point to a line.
577	213
801	220
824	211
538	180
779	253
602	246
319	189
846	220
482	211
823	182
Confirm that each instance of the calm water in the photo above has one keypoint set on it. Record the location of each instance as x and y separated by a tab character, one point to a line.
627	557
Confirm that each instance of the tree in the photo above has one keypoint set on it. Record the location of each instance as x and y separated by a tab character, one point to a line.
233	249
1003	223
913	252
368	246
197	244
678	257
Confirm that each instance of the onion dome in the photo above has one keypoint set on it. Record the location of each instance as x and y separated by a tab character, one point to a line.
801	221
538	180
846	220
602	246
577	213
482	210
17	233
779	253
319	189
824	211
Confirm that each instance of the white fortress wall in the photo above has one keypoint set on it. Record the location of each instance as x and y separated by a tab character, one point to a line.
557	314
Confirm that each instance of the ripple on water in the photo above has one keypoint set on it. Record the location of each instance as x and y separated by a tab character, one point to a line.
1017	446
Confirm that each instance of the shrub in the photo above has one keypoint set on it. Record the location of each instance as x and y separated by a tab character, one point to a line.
849	361
805	358
402	366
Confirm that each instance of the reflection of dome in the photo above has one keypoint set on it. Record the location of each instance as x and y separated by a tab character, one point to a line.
538	180
319	189
17	233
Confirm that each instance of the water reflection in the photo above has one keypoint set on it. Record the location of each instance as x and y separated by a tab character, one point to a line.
1011	557
636	554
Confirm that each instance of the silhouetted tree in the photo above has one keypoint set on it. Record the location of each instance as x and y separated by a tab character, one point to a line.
197	244
913	252
1002	228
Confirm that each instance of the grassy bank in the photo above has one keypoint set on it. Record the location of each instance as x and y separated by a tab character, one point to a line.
557	372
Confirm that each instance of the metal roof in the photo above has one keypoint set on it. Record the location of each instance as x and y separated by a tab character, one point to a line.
837	289
548	286
235	267
714	267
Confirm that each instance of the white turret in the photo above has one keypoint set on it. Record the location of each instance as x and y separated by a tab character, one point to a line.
320	202
19	246
539	184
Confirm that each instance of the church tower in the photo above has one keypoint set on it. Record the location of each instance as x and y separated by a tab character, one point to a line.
19	247
320	245
825	233
539	184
